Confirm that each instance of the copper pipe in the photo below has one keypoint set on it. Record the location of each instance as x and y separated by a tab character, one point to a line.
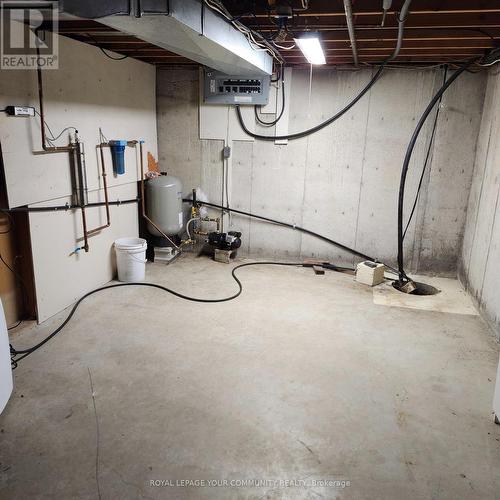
105	185
81	193
106	199
91	232
85	233
143	204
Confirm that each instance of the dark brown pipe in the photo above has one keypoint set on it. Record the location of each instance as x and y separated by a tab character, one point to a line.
85	233
65	208
47	149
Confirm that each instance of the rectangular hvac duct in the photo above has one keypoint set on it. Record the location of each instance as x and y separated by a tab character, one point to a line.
186	27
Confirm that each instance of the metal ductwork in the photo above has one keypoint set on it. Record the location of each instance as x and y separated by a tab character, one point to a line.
185	27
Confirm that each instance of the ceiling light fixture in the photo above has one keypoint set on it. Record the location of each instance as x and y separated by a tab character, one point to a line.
311	48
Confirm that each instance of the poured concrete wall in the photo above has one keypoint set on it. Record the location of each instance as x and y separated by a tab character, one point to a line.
480	260
342	181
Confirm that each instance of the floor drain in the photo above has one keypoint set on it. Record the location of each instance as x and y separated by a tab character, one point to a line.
422	288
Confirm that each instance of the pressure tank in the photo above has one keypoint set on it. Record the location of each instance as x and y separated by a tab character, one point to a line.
164	205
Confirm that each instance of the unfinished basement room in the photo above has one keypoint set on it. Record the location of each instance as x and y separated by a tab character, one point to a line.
250	250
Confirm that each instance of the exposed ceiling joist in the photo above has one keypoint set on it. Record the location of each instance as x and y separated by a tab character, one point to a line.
437	31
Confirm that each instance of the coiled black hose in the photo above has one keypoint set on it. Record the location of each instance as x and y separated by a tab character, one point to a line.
19	354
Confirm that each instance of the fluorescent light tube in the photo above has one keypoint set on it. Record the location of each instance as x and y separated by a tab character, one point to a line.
311	48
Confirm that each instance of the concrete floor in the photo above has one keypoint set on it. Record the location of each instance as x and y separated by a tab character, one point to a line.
302	378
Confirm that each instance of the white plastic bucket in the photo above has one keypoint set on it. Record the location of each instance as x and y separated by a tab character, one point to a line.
131	259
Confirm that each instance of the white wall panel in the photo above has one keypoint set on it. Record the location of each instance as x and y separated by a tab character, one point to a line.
88	91
62	277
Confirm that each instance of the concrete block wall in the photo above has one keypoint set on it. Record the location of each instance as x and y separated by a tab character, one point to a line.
479	267
343	181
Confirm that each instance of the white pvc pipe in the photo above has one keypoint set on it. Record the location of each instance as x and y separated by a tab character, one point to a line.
187	225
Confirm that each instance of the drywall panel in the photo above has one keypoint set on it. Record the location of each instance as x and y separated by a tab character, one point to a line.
272	103
61	276
88	91
342	181
480	259
235	132
219	122
214	120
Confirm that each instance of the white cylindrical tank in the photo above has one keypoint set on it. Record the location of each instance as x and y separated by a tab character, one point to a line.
164	205
5	366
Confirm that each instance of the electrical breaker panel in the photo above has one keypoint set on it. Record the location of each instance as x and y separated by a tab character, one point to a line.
219	88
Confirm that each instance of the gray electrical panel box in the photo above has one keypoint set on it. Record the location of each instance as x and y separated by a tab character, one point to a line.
219	88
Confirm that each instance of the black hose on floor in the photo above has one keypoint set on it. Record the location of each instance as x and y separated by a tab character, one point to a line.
19	354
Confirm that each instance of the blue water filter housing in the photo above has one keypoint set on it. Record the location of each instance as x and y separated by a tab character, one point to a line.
118	156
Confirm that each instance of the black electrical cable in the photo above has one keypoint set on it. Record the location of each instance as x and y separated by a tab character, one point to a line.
401	22
278	74
52	138
11	222
280	115
104	51
19	354
293	226
304	133
411	145
427	156
24	289
15	325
